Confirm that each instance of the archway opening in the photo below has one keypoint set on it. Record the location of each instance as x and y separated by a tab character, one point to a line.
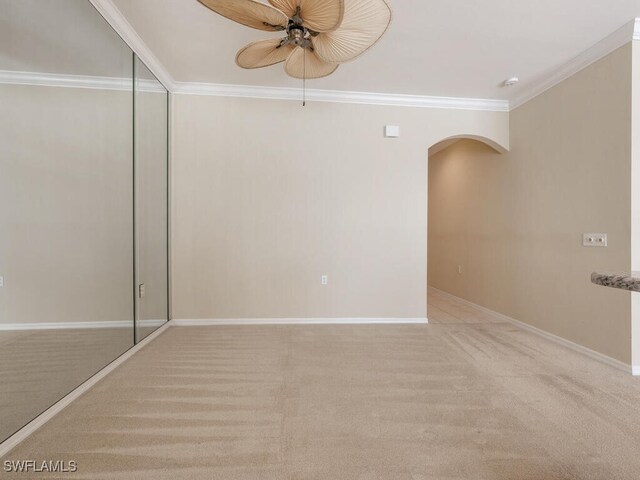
462	211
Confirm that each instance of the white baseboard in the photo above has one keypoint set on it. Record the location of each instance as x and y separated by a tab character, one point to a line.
5	327
151	322
549	336
13	441
192	322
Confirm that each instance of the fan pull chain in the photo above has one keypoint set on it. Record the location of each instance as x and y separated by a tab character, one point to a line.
304	77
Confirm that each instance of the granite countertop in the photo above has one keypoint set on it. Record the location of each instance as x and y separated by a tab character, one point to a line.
623	281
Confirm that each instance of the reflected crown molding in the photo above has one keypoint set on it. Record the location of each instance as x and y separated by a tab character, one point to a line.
78	81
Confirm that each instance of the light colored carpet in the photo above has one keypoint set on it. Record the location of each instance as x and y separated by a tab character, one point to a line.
452	400
38	367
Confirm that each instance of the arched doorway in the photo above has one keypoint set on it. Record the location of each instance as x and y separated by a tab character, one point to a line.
459	168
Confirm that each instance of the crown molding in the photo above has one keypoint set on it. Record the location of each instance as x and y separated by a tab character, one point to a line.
337	96
246	91
121	25
619	38
636	29
79	81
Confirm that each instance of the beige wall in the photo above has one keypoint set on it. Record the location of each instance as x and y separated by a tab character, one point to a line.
268	196
515	221
65	205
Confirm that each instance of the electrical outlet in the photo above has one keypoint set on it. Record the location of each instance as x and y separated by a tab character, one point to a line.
594	240
141	290
459	269
324	280
1	281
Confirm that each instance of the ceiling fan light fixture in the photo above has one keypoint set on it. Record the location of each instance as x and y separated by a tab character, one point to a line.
320	34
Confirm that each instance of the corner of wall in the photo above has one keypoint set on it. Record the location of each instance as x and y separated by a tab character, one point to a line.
635	195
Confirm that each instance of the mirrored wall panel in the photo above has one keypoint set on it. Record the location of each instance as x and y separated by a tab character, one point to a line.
151	172
68	183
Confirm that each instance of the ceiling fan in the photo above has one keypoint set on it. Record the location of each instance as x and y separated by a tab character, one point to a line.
320	34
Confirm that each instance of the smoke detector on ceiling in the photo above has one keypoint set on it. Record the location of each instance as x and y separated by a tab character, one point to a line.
510	82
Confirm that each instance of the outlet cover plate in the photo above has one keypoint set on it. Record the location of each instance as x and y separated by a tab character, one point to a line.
594	240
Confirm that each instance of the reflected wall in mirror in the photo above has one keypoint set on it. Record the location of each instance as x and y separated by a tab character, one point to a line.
67	252
151	168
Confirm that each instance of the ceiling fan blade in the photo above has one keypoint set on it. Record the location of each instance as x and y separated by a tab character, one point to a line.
304	63
322	15
250	13
317	15
288	7
263	53
364	22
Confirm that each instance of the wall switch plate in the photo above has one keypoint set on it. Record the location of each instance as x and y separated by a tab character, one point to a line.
594	240
459	269
324	280
141	290
391	131
1	281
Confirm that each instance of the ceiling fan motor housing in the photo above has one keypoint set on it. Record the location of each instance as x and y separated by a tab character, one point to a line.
297	34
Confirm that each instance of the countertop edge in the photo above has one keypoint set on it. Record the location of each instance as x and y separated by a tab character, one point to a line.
620	280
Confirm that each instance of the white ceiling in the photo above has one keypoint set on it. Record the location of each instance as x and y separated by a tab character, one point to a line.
458	48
